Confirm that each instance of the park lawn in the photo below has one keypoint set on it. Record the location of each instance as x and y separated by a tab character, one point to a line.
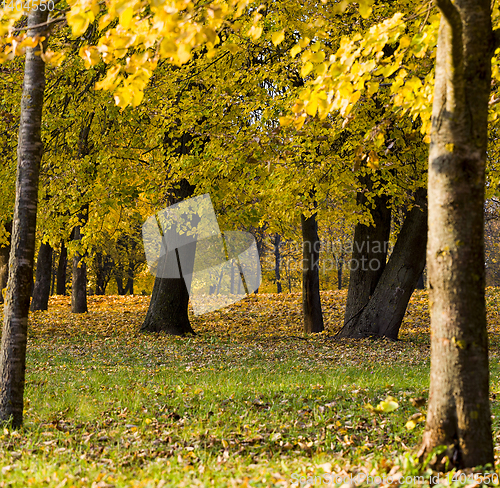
249	401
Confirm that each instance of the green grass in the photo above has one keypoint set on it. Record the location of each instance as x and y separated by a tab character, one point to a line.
146	411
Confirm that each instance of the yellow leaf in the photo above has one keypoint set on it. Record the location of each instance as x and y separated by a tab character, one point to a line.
304	42
312	106
299	122
79	21
284	121
365	10
318	57
184	53
126	17
110	82
306	69
53	58
278	37
255	32
90	56
372	88
388	405
410	425
295	50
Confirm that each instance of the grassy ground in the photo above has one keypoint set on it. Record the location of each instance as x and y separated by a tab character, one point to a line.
249	401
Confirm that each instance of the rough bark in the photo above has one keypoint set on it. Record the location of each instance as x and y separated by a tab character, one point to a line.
29	154
420	282
384	312
79	279
4	261
41	292
458	414
340	266
311	301
103	266
62	270
369	255
277	262
168	308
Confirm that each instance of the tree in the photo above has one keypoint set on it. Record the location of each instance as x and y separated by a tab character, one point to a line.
61	270
382	312
459	410
369	255
15	324
4	260
168	308
41	291
311	301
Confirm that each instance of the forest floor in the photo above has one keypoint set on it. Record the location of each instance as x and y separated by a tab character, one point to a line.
247	402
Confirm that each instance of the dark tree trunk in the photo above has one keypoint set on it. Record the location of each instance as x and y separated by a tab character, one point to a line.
458	414
277	262
168	308
61	271
129	288
41	292
29	154
103	265
383	313
420	282
369	255
4	261
119	285
79	280
340	266
311	301
53	273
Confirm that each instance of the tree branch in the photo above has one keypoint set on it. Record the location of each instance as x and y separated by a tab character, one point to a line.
452	16
51	21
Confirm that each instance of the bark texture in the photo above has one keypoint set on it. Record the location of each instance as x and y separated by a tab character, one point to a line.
459	411
168	308
384	312
369	255
41	292
311	301
61	271
79	279
29	154
4	261
277	262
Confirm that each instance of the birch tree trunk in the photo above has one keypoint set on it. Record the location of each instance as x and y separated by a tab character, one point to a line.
29	154
459	411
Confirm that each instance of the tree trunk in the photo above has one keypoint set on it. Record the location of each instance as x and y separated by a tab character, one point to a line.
168	308
79	280
53	272
41	292
459	415
103	266
119	285
277	262
340	265
369	255
311	301
384	312
29	154
129	288
420	282
61	271
4	261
